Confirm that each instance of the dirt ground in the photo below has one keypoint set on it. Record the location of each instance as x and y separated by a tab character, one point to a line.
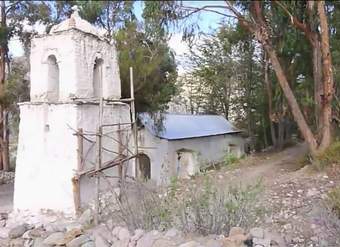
293	196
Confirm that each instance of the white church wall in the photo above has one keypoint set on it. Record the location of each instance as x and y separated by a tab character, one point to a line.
46	157
164	154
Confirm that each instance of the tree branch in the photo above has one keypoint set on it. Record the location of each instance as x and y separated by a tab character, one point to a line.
207	8
296	23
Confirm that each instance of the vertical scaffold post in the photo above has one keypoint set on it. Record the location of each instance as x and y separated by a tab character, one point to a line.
99	155
134	122
76	179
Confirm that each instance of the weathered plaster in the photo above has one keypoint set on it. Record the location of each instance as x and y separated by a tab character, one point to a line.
164	158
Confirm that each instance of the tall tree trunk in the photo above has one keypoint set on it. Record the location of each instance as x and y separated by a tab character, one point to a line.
270	99
291	100
328	80
2	83
317	77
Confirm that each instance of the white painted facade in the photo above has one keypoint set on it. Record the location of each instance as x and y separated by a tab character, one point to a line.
194	153
72	61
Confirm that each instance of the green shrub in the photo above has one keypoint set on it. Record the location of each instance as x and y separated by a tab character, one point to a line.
213	210
204	209
333	200
230	159
329	157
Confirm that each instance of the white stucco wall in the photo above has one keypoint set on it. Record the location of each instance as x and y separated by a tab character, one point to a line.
47	152
164	158
76	53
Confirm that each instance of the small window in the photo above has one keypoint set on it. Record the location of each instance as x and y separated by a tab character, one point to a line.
98	78
53	78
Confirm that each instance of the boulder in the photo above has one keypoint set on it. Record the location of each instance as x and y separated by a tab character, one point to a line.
18	231
236	231
173	232
79	241
162	242
123	234
191	244
213	243
86	218
148	239
88	244
55	238
263	242
100	241
19	242
121	243
256	232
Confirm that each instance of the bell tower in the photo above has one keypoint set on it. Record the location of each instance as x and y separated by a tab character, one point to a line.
72	67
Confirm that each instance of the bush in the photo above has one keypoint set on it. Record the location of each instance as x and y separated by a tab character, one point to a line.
207	209
230	159
213	210
333	201
329	157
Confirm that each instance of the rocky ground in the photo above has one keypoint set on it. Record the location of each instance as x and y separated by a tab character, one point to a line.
293	197
81	233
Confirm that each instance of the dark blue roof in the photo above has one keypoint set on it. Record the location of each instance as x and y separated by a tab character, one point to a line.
181	126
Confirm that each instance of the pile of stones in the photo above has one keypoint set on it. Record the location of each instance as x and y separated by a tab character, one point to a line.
81	233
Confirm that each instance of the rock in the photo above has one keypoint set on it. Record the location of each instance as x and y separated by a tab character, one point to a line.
35	233
235	231
78	241
19	242
100	241
262	242
4	242
70	235
18	231
256	232
148	239
55	227
88	244
86	218
115	231
213	243
54	239
162	242
103	233
173	232
38	242
237	240
74	225
4	232
123	234
121	243
190	244
2	223
138	234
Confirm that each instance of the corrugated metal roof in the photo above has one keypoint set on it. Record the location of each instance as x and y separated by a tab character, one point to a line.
181	126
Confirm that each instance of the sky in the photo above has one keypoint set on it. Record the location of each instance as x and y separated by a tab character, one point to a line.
205	20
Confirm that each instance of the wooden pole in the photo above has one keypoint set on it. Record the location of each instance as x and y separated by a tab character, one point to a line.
97	177
99	150
80	149
134	122
76	178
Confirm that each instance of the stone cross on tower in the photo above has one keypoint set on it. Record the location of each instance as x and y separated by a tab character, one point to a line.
71	68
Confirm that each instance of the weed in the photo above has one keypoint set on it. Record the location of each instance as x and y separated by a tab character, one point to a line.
333	200
329	157
205	209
